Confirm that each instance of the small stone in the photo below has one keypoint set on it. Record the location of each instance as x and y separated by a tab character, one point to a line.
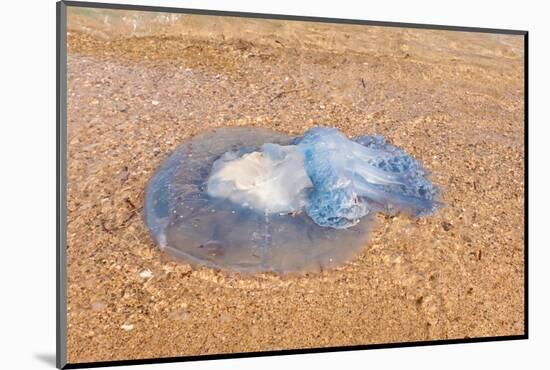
155	102
446	226
168	268
146	274
181	315
127	327
98	306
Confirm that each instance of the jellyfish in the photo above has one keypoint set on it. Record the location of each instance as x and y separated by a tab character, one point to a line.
255	200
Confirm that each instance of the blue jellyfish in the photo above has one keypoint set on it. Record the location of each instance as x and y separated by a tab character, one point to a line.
250	199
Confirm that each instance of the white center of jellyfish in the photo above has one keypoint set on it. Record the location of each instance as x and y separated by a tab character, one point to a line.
272	179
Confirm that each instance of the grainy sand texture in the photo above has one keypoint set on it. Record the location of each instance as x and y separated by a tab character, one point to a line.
453	100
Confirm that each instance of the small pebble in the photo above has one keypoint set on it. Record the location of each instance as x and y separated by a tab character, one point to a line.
146	274
127	327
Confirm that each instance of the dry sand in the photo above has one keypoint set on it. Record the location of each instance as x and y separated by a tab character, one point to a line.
452	100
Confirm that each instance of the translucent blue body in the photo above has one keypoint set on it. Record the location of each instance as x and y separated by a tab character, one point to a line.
351	180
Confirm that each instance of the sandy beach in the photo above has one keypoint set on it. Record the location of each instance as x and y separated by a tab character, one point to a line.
453	100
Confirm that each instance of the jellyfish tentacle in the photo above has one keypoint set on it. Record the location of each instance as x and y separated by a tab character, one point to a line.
348	176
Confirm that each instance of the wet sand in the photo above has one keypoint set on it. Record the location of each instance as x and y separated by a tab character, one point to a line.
452	100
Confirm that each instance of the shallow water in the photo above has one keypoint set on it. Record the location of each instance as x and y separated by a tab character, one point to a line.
458	109
112	24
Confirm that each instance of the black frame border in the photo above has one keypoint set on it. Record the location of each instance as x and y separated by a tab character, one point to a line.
61	183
